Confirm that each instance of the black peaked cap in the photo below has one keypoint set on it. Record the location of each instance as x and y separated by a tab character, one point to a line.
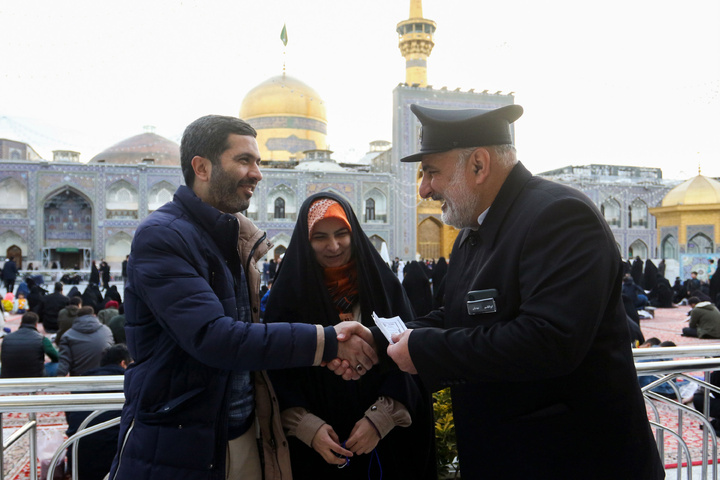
444	130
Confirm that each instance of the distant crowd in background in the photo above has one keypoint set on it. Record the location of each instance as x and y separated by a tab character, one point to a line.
67	334
645	287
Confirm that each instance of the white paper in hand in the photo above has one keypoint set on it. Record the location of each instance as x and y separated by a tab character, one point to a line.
389	326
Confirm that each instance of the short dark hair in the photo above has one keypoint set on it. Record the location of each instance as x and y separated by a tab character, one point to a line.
77	301
207	137
114	354
59	286
29	318
667	343
86	310
693	301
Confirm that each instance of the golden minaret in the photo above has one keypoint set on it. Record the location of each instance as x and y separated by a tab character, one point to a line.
416	43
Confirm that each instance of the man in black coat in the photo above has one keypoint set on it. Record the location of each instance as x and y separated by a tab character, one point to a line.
538	357
9	274
50	306
23	351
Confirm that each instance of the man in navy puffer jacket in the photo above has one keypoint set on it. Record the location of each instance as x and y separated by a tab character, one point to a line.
189	395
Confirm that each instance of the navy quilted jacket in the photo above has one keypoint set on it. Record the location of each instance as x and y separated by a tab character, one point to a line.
184	336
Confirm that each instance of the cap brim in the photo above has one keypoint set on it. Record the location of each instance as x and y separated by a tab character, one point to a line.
416	157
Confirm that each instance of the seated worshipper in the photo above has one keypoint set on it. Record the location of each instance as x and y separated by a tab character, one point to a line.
636	336
81	347
664	389
67	317
704	320
23	288
117	325
110	311
23	351
417	287
678	291
634	292
112	294
96	451
50	306
332	273
661	296
92	297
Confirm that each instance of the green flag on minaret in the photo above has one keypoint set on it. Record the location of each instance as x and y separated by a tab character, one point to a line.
283	35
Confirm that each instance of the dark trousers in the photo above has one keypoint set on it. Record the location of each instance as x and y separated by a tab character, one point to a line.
689	332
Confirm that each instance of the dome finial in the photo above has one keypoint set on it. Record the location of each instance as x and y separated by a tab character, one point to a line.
284	39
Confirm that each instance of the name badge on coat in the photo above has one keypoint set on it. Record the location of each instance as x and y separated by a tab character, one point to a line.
481	301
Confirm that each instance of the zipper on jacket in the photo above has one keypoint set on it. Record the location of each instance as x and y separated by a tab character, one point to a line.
122	449
252	251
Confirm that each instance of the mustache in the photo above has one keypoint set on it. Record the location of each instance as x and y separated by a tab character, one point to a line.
437	198
245	181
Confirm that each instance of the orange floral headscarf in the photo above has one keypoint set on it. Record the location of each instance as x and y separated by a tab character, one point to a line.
325	208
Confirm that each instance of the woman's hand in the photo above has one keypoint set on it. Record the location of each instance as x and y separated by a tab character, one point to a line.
325	442
363	438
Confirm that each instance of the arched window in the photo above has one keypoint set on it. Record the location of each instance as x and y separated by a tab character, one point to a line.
160	194
669	247
13	196
376	206
122	201
281	203
279	208
638	214
369	210
610	209
700	244
638	249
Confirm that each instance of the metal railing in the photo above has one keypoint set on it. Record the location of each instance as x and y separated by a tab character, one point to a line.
662	363
20	396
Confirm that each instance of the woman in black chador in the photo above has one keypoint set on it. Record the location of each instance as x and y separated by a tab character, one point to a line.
94	274
438	282
331	273
417	287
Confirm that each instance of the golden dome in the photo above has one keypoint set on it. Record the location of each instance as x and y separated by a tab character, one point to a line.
141	149
696	191
283	95
289	117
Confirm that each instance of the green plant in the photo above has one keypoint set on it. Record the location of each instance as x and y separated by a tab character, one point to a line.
445	441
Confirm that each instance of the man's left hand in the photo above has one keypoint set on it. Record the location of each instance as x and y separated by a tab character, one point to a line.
400	352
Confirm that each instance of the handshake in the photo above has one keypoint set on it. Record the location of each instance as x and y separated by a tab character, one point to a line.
357	352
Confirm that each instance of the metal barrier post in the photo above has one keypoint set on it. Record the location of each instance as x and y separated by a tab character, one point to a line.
32	417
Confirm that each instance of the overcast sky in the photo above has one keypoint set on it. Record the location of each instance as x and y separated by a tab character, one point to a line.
631	82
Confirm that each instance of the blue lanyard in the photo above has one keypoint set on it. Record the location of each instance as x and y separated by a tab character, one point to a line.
373	456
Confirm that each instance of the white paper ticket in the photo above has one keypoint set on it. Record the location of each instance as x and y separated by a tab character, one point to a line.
389	326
